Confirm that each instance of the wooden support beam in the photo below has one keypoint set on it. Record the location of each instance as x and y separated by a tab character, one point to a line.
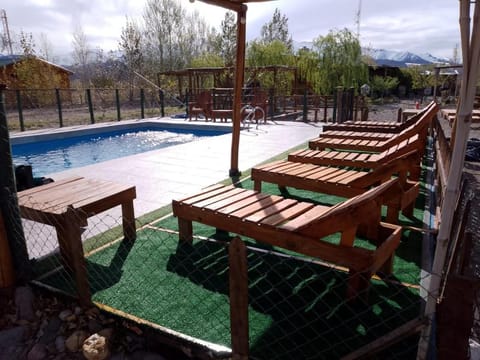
237	257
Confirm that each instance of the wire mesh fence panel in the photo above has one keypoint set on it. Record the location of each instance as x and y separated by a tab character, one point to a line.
297	305
30	109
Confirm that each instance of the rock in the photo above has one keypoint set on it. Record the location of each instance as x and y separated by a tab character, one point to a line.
37	352
13	336
94	326
78	310
60	343
96	348
107	333
146	355
65	314
75	341
24	300
51	330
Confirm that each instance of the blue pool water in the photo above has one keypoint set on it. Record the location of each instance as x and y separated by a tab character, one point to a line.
48	157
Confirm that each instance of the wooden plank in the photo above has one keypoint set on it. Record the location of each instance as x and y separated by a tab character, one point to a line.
278	218
267	211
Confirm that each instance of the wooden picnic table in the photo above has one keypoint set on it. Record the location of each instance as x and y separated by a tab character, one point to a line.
67	204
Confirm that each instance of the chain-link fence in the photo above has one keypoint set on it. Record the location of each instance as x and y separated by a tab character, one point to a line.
297	305
29	109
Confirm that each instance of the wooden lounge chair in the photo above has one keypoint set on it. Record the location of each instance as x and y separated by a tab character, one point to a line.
365	160
375	126
420	127
345	181
300	226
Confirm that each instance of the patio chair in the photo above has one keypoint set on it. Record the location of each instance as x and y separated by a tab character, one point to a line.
375	126
301	226
202	105
365	160
420	127
345	181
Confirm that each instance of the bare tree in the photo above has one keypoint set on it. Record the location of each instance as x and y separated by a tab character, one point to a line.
45	47
81	54
131	46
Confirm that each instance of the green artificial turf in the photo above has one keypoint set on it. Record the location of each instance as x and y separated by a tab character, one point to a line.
297	307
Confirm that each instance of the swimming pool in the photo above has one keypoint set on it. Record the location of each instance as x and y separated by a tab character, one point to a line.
61	153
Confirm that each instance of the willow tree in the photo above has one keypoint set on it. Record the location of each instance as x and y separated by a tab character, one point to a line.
340	60
271	54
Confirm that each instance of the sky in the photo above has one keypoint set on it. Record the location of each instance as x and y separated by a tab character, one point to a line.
417	26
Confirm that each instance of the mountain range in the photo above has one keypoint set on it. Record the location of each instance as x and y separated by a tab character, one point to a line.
390	57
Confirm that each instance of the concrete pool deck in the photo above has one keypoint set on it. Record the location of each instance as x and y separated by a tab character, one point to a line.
178	171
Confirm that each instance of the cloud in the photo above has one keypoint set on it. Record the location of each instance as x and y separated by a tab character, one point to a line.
407	25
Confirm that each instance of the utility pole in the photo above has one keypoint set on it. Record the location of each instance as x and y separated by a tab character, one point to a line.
6	41
357	18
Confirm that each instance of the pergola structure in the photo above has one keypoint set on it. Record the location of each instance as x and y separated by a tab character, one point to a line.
240	7
195	78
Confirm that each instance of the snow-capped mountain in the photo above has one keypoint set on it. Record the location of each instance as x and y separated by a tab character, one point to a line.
401	58
388	57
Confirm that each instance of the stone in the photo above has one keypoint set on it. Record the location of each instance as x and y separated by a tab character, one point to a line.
146	355
12	336
51	330
37	352
95	347
94	326
24	300
60	343
65	314
106	333
75	341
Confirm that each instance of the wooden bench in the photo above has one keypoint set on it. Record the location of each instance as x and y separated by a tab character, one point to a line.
66	205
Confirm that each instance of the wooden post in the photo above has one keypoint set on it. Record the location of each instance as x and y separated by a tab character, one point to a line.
117	101
90	106
9	204
237	96
305	106
7	277
237	257
20	110
161	95
59	107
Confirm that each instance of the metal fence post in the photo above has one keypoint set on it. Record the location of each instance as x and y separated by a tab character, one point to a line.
9	204
271	102
305	106
117	101
142	103
186	102
162	102
59	106
90	106
20	110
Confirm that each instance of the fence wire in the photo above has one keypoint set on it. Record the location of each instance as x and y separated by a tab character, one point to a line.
297	306
29	109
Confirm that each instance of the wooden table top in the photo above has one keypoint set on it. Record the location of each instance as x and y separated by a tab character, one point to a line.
90	195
